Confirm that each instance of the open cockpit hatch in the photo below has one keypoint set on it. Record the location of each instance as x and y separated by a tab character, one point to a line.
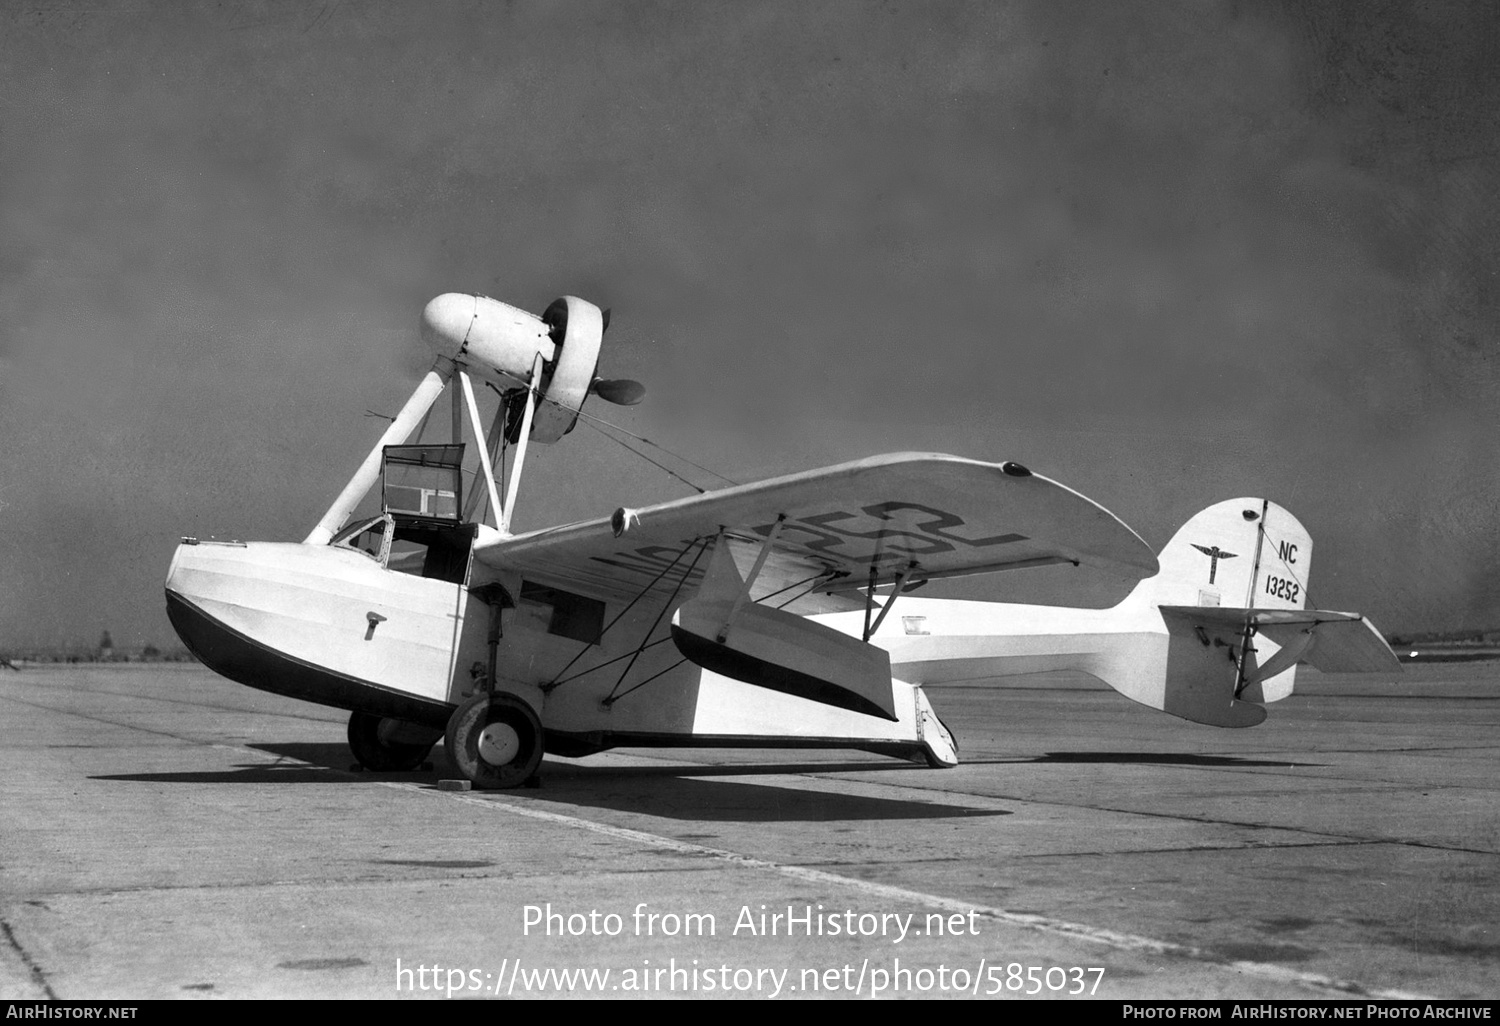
419	530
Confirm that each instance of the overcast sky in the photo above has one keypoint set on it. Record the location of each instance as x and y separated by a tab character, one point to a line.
1166	254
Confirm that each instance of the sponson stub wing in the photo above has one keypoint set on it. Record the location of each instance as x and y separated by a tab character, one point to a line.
920	516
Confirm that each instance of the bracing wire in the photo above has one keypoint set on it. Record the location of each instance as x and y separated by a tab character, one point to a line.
648	680
610	698
1286	568
648	459
558	677
595	423
655	445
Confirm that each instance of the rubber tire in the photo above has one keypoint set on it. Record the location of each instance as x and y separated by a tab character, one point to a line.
469	721
379	756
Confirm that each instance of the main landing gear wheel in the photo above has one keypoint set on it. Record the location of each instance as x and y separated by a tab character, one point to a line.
371	738
495	741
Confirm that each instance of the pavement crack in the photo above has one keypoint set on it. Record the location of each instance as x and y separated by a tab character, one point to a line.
344	883
38	977
1333	836
1196	848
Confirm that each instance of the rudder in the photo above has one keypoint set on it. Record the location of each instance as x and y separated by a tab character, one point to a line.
1245	553
1239	554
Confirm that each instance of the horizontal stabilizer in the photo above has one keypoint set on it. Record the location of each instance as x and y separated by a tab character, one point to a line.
1340	643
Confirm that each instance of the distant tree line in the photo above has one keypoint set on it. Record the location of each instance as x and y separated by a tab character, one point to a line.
105	652
1465	636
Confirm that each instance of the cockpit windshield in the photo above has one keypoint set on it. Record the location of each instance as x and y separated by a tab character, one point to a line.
368	536
411	545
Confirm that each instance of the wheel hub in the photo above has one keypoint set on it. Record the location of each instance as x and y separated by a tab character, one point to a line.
499	744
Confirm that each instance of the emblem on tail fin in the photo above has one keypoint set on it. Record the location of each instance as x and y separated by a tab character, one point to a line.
1214	555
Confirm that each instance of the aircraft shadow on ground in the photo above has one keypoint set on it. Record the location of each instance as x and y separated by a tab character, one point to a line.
258	773
305	764
685	791
1163	759
693	793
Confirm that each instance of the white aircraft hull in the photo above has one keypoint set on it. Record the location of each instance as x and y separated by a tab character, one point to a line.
937	641
296	619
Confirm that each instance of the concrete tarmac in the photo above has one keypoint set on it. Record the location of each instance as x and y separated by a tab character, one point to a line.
166	833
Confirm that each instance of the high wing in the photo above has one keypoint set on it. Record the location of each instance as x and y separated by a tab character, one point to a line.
905	516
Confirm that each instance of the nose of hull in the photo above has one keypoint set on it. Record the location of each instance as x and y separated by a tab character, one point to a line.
207	637
295	620
202	635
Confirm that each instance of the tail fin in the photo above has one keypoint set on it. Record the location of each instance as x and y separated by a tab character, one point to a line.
1244	553
1232	591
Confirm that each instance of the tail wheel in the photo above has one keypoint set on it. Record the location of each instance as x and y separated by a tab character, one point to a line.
495	740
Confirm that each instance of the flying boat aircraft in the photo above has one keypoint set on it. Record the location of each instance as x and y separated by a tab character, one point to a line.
757	615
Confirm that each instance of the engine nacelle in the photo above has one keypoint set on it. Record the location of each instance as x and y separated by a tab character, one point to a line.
499	343
486	337
577	327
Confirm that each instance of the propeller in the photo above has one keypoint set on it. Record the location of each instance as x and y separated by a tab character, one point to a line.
620	391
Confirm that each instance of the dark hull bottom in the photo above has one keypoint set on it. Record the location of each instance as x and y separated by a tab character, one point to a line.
242	659
740	666
232	654
575	745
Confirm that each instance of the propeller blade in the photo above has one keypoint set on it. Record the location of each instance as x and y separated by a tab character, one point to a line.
620	391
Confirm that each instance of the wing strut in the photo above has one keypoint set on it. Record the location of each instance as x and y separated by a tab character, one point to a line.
416	408
871	628
515	471
494	440
1290	655
870	599
484	449
760	562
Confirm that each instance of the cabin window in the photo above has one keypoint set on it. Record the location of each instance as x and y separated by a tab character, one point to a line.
568	615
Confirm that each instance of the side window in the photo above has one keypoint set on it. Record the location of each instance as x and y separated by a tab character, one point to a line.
567	615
